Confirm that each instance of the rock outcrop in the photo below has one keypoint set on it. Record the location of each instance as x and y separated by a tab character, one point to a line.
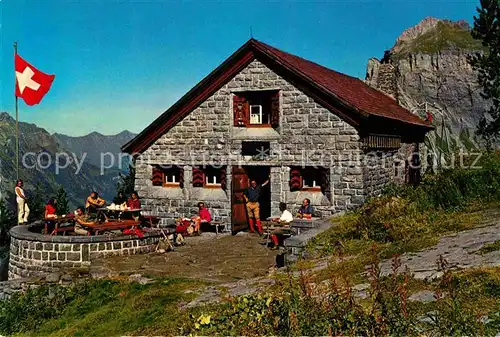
427	71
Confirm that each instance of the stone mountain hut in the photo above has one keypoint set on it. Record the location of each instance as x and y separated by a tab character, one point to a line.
316	133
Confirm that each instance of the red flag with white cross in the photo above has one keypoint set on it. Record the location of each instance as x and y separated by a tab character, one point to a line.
31	83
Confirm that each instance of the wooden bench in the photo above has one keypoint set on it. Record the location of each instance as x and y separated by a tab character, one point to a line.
151	220
57	222
218	224
111	225
63	230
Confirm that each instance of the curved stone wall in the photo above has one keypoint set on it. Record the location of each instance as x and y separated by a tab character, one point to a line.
35	254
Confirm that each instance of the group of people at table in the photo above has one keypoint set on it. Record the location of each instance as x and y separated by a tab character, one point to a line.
185	226
93	204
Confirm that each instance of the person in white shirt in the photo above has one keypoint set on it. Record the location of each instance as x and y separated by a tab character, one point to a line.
285	218
23	210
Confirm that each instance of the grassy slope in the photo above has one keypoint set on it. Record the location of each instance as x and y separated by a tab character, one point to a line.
445	36
117	309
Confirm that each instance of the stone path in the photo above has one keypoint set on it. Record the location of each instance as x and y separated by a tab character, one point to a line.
219	259
460	250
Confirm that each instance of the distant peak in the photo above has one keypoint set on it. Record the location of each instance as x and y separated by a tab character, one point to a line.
432	35
427	24
5	116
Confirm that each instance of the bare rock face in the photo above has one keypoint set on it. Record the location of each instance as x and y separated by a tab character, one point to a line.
427	71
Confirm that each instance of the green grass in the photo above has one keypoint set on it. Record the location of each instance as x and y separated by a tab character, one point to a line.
490	247
110	308
445	36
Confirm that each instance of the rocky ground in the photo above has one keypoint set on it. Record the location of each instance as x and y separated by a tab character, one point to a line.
460	251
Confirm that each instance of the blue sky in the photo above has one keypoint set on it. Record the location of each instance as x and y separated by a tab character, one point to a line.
119	64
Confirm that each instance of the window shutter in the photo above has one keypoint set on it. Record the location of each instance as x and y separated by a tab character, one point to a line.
198	177
240	110
157	178
181	177
295	179
275	109
223	178
325	182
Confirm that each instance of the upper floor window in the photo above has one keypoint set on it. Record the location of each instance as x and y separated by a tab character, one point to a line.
256	108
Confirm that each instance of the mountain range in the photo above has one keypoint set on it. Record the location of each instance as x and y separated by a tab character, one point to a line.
79	170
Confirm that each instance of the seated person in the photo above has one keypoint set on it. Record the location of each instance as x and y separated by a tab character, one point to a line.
50	209
184	227
120	199
306	210
203	216
80	216
285	218
94	202
134	203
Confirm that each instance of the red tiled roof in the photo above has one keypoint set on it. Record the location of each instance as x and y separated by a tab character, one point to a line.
350	90
347	96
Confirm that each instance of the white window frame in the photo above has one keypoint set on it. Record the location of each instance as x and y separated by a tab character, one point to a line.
307	186
214	180
259	114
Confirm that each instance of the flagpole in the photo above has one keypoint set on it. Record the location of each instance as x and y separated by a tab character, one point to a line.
17	114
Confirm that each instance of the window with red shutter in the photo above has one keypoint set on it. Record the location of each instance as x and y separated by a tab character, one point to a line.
256	108
210	177
240	110
168	176
309	179
275	109
223	178
198	177
295	179
157	177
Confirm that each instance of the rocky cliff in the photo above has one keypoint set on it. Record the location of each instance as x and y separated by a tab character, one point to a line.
427	71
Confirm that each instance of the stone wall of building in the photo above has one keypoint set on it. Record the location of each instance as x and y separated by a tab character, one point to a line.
33	254
309	135
381	169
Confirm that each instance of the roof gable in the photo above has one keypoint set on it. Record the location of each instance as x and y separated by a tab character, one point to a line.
350	98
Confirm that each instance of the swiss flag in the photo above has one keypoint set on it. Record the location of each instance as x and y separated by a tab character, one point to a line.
31	83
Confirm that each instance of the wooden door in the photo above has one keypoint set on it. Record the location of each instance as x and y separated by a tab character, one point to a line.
238	208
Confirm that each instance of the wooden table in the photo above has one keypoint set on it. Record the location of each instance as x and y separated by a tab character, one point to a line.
118	212
110	225
58	221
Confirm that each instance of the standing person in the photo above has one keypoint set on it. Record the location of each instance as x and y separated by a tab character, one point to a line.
252	196
23	210
50	208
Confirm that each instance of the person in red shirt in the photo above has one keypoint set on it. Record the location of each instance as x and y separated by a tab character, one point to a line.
50	208
203	216
134	203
